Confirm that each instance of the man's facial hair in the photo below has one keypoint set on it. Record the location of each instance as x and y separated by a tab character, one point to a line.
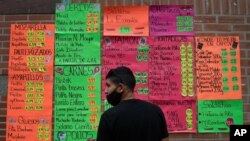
114	98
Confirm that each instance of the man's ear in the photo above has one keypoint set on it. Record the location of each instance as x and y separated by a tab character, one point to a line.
120	88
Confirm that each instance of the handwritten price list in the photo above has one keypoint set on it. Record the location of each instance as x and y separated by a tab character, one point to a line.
187	69
92	96
77	102
35	39
129	51
44	131
34	95
226	63
142	78
77	34
180	115
92	22
217	115
184	23
29	113
166	20
77	18
217	66
170	71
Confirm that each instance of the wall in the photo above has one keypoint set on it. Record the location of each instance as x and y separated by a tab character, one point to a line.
212	17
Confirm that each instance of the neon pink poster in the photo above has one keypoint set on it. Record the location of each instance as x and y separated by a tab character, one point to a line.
171	68
180	115
132	52
171	20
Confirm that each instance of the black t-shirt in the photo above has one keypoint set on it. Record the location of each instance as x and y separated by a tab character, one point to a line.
132	120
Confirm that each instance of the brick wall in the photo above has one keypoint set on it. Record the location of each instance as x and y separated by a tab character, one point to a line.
212	17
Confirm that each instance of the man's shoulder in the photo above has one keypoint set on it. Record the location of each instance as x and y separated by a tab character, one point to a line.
110	112
148	103
126	105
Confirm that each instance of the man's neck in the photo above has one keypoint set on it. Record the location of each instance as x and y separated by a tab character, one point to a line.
128	95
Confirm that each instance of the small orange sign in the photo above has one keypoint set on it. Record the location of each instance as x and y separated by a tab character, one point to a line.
126	21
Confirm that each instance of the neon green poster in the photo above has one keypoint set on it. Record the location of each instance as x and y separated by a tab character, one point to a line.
77	34
218	115
77	18
106	105
77	102
73	49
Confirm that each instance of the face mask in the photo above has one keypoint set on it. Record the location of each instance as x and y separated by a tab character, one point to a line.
114	98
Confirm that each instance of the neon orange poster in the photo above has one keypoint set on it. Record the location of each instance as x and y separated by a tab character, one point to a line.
218	68
30	82
126	21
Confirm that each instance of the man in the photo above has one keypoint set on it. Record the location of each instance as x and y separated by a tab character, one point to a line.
129	119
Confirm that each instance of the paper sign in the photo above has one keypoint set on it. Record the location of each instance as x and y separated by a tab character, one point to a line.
218	115
180	115
125	21
77	18
75	135
77	49
30	82
131	52
77	34
171	20
106	105
218	68
77	102
171	68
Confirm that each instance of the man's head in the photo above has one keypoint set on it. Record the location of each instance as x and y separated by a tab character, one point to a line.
120	84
